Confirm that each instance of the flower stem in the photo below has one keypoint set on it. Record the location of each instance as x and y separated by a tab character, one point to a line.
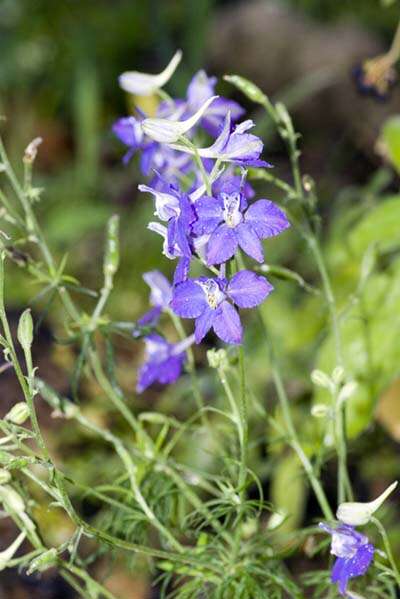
388	549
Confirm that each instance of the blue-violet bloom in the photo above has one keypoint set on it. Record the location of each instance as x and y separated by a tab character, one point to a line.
163	363
231	224
354	554
160	297
209	302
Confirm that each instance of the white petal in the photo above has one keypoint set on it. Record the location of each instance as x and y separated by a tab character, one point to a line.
169	131
357	513
144	84
8	553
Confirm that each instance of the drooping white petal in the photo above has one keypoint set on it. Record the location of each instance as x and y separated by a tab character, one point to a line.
8	554
144	84
357	513
169	130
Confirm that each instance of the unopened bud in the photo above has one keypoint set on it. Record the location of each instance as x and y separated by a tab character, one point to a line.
31	150
13	503
111	256
321	379
357	513
217	358
338	375
8	554
43	562
320	410
248	88
25	330
347	391
18	413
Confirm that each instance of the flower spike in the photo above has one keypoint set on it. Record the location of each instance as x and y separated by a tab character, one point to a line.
144	84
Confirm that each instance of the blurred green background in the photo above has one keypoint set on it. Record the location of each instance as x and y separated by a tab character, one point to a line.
59	63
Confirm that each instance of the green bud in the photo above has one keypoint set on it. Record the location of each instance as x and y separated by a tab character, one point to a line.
111	256
321	379
217	358
248	88
25	330
5	476
43	562
18	413
320	410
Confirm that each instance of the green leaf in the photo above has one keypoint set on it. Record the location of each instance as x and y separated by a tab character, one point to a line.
390	138
380	226
288	491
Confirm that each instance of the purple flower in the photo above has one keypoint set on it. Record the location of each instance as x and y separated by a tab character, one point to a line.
231	224
163	363
207	301
176	209
200	89
354	554
160	297
129	131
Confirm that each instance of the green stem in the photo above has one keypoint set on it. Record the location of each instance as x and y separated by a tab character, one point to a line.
388	549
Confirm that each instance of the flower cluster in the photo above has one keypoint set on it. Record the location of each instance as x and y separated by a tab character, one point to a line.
203	208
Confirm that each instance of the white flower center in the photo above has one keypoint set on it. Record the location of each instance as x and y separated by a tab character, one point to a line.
232	214
213	293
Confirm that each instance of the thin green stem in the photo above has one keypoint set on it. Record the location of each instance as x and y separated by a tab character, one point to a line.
388	549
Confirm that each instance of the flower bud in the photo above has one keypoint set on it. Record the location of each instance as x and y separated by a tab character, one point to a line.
347	391
25	330
357	513
338	375
111	256
45	560
145	84
168	130
248	88
217	358
320	410
5	476
13	503
8	554
18	413
31	150
321	379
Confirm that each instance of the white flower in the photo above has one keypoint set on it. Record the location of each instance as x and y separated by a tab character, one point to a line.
144	84
357	513
8	553
170	130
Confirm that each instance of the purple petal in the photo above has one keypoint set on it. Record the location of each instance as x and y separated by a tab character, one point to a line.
129	131
189	300
209	214
151	317
227	325
182	270
247	289
170	370
147	375
344	569
160	288
266	218
204	323
222	245
249	242
214	117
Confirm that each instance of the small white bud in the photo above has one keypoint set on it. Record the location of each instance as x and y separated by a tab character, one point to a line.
338	375
168	130
277	519
347	391
31	150
25	330
145	84
43	561
357	513
13	503
5	476
18	413
321	379
320	410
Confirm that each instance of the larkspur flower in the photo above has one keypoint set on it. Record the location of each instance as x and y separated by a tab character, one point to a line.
163	362
199	90
160	297
232	145
145	84
353	551
209	301
182	269
231	224
175	208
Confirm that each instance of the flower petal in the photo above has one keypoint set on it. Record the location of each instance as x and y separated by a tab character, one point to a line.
249	242
182	270
160	288
204	323
189	300
222	245
144	84
266	218
170	370
129	131
227	324
247	289
209	214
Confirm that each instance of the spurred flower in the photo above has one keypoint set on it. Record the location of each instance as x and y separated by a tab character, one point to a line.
160	297
231	224
209	302
163	363
145	84
354	554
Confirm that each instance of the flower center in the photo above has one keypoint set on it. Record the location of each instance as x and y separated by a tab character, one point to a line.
213	293
232	214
